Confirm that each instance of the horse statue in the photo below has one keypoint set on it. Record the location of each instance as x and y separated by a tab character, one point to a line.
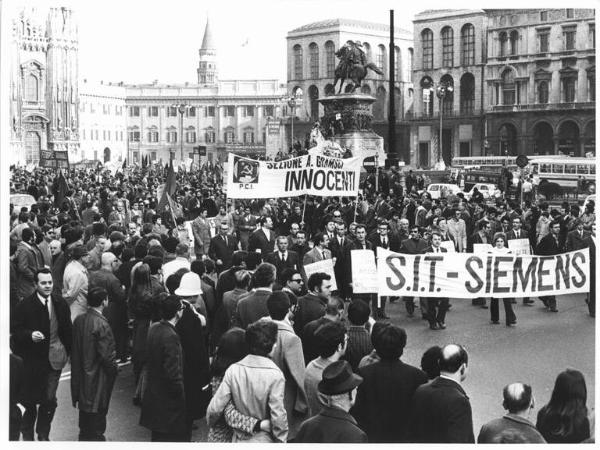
353	65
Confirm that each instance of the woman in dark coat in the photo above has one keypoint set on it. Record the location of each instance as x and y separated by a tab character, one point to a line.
141	308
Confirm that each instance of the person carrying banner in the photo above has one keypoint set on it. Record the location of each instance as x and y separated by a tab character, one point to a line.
511	318
436	307
550	245
414	245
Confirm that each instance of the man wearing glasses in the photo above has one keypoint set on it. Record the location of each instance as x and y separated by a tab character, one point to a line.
414	245
292	282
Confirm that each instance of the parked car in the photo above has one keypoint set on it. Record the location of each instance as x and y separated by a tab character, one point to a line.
438	190
487	190
22	200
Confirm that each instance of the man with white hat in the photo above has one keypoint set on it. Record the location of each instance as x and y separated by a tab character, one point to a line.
190	292
334	424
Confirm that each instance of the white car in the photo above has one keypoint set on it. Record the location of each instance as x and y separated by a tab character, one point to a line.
437	190
487	190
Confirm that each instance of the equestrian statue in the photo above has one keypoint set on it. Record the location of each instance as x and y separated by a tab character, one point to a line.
353	65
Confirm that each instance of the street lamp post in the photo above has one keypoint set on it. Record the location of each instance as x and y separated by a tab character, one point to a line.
181	109
444	89
292	104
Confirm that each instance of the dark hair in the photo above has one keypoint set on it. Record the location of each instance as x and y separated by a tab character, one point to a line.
27	234
232	348
154	262
239	257
515	403
430	361
96	296
182	249
262	220
278	305
140	251
171	244
287	275
198	267
264	275
173	282
261	336
318	238
452	358
169	306
99	228
253	259
328	337
358	312
390	342
334	306
210	266
566	411
316	280
43	270
482	224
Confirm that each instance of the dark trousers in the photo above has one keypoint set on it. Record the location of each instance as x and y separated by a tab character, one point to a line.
41	416
159	436
92	425
378	312
436	310
410	305
14	427
549	301
508	310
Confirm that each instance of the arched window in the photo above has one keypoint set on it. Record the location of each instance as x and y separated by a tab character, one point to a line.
542	92
428	95
329	89
467	94
514	42
313	94
297	62
365	89
329	59
190	135
409	63
379	105
368	52
398	63
31	88
248	135
209	135
448	99
447	47
381	63
229	135
503	38
313	60
427	48
508	87
468	45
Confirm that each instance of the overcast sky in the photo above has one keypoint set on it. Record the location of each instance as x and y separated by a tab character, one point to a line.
140	41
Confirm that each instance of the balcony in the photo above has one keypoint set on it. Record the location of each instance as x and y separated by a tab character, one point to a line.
542	107
468	114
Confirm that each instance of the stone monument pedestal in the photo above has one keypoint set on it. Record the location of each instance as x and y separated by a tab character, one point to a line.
347	120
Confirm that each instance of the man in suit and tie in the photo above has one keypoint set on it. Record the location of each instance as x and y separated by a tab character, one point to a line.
550	245
518	232
383	239
263	240
591	244
441	409
320	250
312	305
283	258
339	249
576	239
253	306
414	245
41	334
222	248
436	307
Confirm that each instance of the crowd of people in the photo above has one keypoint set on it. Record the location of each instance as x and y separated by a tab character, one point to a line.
209	299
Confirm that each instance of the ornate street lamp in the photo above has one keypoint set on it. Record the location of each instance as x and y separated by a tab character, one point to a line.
443	90
292	103
181	109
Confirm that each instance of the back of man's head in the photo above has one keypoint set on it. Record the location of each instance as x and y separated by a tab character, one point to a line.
358	312
452	358
517	397
264	275
261	336
182	250
389	342
334	306
242	279
168	306
328	337
278	305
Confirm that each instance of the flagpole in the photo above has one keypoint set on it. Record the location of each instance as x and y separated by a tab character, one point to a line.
171	209
304	209
355	208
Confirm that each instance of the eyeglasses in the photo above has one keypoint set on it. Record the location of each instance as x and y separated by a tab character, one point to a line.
414	231
298	280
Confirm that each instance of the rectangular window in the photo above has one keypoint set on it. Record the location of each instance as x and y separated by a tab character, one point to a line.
134	136
569	90
153	136
269	111
190	112
468	45
569	38
153	111
248	137
229	137
427	50
543	16
134	111
172	111
229	111
543	41
569	13
190	137
248	111
172	137
447	48
209	137
592	35
210	111
152	156
465	148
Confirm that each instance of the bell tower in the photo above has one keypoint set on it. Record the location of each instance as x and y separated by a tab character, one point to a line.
207	67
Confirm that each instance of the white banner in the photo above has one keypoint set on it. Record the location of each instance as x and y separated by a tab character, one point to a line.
467	275
448	245
520	246
482	248
364	271
326	265
310	174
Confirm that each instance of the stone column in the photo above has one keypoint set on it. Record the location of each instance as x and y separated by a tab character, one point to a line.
555	88
582	85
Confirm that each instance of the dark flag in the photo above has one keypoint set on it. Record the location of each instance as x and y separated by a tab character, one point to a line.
124	164
170	187
60	189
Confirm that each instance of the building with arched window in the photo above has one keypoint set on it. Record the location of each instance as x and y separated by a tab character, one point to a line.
320	41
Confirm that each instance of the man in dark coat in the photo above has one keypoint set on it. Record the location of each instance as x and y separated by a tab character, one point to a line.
591	244
163	400
383	239
414	246
222	247
334	424
550	245
383	404
577	239
283	258
436	307
29	260
41	333
253	306
441	411
93	367
263	240
312	305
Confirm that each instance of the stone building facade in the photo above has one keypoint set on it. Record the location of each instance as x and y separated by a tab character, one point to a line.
523	83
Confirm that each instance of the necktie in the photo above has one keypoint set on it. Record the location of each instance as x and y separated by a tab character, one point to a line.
517	234
46	304
384	242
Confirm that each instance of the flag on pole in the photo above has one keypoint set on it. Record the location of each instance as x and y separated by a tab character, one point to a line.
169	190
60	189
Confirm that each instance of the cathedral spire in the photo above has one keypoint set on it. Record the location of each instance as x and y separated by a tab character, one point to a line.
207	67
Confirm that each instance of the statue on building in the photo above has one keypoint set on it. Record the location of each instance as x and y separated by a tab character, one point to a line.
353	65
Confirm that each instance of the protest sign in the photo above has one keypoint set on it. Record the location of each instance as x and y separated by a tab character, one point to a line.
520	246
448	245
188	227
364	271
470	275
310	174
482	248
326	266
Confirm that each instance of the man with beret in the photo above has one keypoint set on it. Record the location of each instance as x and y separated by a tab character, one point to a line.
334	424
